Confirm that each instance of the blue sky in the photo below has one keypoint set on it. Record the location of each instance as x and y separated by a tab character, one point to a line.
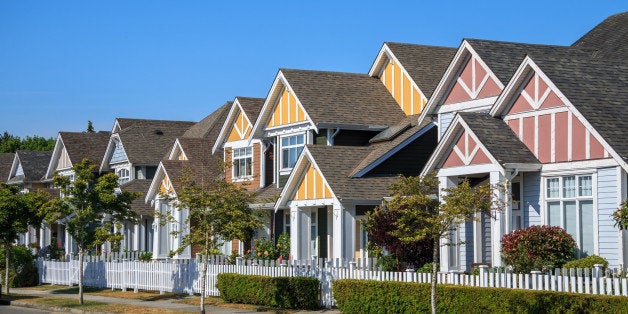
65	62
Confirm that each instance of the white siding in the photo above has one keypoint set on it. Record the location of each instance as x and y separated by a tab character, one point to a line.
531	195
608	238
118	153
444	121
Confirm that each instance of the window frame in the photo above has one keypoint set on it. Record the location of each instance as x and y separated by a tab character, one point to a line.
288	147
121	179
576	198
242	157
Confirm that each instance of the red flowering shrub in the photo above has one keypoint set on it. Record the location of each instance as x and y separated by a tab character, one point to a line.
537	248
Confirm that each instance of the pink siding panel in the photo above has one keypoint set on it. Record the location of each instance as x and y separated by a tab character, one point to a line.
467	74
480	158
471	145
457	94
514	126
453	160
489	89
480	72
552	100
578	136
562	136
545	138
528	132
542	87
530	87
597	150
520	105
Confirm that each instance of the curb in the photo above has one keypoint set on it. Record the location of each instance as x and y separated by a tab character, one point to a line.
52	308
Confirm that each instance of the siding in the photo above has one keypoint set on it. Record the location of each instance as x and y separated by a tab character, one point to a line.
608	239
486	238
466	245
531	195
444	121
118	154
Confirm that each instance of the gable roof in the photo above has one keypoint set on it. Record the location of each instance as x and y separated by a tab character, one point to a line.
608	38
6	160
34	165
251	108
598	90
425	64
123	123
80	145
340	98
147	144
209	127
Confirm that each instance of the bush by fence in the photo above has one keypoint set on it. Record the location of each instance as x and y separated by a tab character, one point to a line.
23	272
368	296
276	292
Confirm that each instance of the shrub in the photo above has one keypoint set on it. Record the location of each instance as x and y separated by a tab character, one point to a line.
587	262
145	256
537	248
268	250
388	263
426	268
23	272
276	292
368	296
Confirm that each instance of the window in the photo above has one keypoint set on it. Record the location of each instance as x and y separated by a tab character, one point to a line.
242	162
569	203
124	175
291	147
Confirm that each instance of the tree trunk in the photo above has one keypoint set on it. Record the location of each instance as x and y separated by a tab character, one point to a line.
434	272
7	264
81	275
204	274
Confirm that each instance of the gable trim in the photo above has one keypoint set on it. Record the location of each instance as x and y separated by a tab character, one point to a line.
236	107
110	149
172	155
56	154
155	184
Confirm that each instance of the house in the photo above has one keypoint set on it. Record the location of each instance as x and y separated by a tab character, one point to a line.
546	122
70	148
189	155
133	152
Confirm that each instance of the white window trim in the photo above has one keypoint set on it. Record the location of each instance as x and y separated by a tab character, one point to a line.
235	178
283	170
594	197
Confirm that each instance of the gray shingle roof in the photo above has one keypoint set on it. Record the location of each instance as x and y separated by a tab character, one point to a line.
80	145
608	38
336	164
267	194
598	89
251	106
210	126
498	138
138	205
503	58
6	161
128	122
34	164
425	64
343	98
147	144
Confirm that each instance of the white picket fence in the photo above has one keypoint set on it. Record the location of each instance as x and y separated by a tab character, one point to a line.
183	276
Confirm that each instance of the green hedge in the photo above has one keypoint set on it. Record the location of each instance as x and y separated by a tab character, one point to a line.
276	292
367	296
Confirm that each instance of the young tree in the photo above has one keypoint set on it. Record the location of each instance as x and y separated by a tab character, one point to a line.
217	210
17	212
89	205
90	127
424	217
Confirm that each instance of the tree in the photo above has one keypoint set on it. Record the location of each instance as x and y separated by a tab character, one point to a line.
11	143
17	212
89	205
217	210
90	127
423	216
620	216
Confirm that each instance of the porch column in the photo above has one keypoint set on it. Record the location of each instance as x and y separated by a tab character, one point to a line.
445	182
156	226
68	243
477	239
349	231
337	234
136	236
295	232
497	225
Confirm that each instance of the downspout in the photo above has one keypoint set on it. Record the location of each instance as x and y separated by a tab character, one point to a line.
330	137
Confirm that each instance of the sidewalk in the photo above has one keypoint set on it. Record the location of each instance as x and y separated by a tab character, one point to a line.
161	304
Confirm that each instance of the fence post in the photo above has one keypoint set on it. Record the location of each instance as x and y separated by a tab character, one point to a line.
483	275
597	273
409	273
535	279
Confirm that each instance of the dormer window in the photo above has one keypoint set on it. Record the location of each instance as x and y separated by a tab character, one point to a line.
242	162
124	175
291	147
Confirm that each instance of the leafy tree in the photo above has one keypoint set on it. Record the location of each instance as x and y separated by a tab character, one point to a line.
10	143
217	210
620	216
90	205
422	216
17	212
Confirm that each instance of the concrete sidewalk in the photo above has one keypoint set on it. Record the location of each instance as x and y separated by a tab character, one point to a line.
162	304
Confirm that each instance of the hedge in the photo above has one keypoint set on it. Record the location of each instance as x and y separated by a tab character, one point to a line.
275	292
367	296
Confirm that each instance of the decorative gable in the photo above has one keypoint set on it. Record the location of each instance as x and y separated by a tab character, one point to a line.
312	186
241	127
473	82
467	151
402	88
535	95
118	155
287	110
166	186
64	160
19	171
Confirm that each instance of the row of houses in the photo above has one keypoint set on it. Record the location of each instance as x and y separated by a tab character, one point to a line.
322	148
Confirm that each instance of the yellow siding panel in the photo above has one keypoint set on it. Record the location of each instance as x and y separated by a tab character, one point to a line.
234	135
294	108
311	187
407	95
287	111
416	101
387	77
165	186
397	83
327	191
285	105
181	156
